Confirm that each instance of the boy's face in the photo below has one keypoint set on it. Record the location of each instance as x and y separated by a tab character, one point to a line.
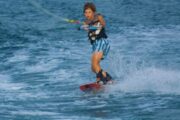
89	14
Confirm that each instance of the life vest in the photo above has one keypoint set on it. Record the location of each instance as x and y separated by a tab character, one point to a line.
96	34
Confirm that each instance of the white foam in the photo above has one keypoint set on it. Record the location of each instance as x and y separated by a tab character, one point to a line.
6	83
151	80
33	113
19	57
24	95
130	61
42	66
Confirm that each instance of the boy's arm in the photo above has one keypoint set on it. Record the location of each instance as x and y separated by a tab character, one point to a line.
101	20
86	27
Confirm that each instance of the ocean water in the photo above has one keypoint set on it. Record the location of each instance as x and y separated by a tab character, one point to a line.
44	60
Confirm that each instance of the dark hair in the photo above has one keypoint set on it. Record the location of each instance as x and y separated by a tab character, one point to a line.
89	5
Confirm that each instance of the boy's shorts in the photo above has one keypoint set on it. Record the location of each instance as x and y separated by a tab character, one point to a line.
101	45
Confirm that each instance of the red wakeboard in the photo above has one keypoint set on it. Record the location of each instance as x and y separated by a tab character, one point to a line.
91	87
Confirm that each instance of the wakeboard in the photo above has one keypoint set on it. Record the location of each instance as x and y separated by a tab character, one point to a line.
91	87
95	87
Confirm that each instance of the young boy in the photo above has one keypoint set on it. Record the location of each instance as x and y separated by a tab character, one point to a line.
98	40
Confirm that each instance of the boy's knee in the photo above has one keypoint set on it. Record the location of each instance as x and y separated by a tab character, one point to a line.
93	67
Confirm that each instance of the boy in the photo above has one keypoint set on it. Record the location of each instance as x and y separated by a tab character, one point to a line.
98	40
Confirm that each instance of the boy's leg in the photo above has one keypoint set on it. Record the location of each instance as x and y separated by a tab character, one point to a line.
101	75
95	61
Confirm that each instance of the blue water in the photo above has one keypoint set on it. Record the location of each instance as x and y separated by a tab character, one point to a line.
44	60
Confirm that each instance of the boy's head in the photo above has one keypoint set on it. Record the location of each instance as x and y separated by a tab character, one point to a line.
89	10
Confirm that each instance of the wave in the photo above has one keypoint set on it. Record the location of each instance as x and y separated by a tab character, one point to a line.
133	76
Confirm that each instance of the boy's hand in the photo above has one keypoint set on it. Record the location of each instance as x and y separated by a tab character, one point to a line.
87	27
84	27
